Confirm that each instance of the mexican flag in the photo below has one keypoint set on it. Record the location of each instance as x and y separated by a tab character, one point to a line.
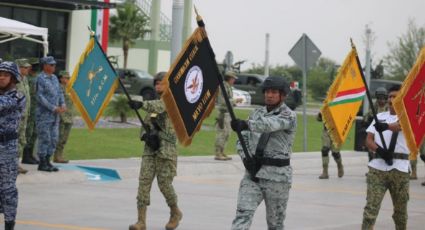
100	25
344	98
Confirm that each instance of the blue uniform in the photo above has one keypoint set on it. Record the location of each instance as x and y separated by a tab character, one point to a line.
12	105
49	97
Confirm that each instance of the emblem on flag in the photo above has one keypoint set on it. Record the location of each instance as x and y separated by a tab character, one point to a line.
93	83
191	85
410	105
344	98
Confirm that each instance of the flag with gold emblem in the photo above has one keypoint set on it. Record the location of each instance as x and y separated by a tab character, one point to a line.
344	98
93	83
191	85
410	105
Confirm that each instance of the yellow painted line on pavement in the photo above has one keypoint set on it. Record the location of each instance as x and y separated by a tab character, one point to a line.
58	226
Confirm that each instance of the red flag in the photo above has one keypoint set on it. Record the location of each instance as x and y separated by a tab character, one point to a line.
410	105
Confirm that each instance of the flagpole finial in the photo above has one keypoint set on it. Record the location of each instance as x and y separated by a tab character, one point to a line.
352	43
92	33
198	17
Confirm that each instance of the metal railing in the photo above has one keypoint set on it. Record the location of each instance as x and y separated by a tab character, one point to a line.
164	21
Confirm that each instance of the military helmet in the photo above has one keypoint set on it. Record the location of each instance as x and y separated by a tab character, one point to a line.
381	91
11	67
278	83
158	77
230	74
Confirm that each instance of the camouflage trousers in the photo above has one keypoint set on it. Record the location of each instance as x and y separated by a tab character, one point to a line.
327	142
48	133
30	133
251	194
164	170
223	133
8	190
64	130
378	182
22	140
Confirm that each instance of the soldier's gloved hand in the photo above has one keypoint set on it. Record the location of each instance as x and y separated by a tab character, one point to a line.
239	125
151	140
135	104
380	126
386	155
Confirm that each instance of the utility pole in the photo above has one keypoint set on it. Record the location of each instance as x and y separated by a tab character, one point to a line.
266	61
177	28
368	66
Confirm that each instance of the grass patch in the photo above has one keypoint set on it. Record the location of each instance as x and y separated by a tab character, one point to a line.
123	143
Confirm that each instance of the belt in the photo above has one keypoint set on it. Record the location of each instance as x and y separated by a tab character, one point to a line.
400	156
4	137
275	162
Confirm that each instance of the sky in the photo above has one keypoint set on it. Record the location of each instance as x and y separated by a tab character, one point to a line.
240	26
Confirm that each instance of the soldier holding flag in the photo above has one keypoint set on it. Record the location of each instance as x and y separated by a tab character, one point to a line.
270	133
159	158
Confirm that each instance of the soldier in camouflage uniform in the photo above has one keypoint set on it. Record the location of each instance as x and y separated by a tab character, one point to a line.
269	133
389	170
30	132
50	104
66	122
12	105
23	88
159	159
223	118
326	146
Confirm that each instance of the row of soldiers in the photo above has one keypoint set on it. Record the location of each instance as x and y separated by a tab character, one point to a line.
27	128
31	105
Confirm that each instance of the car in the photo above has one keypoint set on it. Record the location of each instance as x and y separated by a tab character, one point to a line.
243	95
251	83
136	82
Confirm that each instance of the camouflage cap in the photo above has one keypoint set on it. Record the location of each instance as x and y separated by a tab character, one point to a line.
49	60
33	60
230	74
64	73
23	62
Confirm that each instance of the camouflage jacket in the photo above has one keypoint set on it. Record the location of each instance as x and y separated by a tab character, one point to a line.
221	103
67	116
49	97
281	123
12	105
32	84
24	88
156	114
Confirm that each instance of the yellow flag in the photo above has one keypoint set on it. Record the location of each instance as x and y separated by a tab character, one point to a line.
344	98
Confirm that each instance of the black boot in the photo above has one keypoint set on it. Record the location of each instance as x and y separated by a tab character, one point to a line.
27	157
43	166
52	167
9	225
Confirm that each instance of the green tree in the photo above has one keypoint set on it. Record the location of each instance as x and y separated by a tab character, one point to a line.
404	51
128	25
118	107
320	77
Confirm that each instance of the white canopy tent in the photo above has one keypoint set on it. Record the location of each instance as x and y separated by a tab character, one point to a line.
12	30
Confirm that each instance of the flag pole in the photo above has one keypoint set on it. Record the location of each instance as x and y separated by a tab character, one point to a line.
92	34
201	24
375	117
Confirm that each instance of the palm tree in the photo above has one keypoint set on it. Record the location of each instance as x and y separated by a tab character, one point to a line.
128	25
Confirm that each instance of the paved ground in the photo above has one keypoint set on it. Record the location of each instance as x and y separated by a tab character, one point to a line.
207	191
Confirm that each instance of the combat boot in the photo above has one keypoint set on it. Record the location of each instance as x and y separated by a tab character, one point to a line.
9	225
325	164
175	216
42	166
141	220
413	175
227	158
338	160
27	157
220	157
52	167
60	160
22	170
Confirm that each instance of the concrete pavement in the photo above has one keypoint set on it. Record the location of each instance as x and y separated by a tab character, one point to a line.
207	191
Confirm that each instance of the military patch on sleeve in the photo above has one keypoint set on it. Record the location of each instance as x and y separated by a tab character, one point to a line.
286	113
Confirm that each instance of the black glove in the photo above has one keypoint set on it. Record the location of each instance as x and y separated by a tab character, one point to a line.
386	155
380	127
135	104
151	140
239	125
